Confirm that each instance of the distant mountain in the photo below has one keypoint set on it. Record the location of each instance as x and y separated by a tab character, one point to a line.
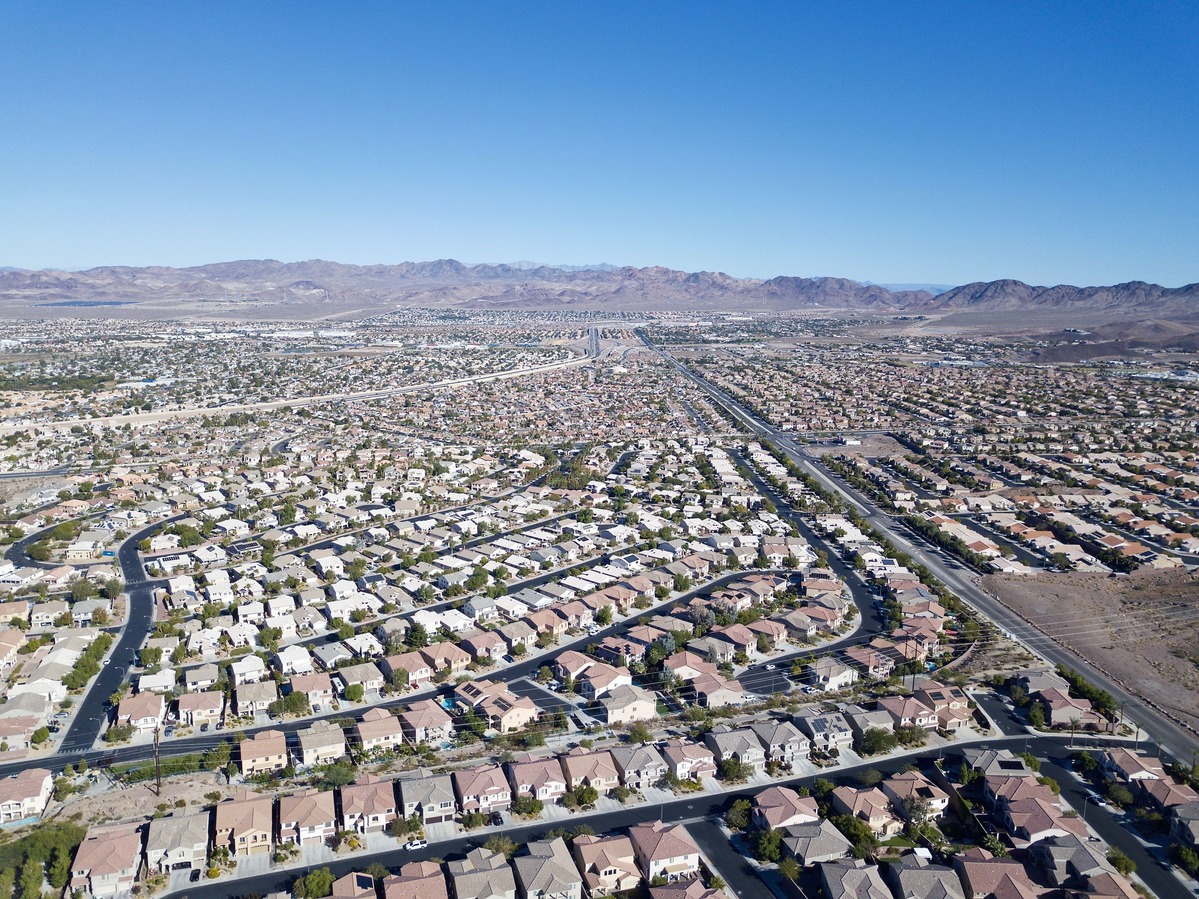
528	285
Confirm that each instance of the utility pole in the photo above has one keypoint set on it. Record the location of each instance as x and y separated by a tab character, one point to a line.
157	766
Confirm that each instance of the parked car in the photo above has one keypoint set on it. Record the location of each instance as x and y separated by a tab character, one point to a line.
417	844
194	876
497	819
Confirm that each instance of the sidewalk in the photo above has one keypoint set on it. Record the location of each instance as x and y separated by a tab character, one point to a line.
555	814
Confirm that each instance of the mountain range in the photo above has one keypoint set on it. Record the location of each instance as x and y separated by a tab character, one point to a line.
524	285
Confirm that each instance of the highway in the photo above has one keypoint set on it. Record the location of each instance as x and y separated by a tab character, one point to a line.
1173	737
45	473
292	403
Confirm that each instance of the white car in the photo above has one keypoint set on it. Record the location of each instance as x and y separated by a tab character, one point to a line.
770	667
417	844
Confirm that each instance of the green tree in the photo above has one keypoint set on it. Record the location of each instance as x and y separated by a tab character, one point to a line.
1120	861
1118	794
354	692
737	817
150	655
82	588
501	844
60	867
768	844
418	637
1036	715
639	733
789	868
314	884
858	832
734	770
876	740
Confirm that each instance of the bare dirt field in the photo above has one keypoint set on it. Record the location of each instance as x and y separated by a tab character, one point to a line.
107	803
10	487
873	446
1143	630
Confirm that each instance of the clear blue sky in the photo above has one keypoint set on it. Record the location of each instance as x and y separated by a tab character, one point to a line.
896	142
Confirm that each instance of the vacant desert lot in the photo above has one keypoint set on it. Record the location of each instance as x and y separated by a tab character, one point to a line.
1142	629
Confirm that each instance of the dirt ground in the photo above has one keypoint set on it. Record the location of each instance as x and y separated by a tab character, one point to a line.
10	487
107	803
873	446
1142	629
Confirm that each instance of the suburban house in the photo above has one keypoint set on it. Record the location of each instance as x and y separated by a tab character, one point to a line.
107	861
590	769
482	789
870	805
264	751
250	699
546	870
427	722
608	864
368	805
689	761
378	730
446	655
177	841
830	675
664	851
431	796
25	795
307	817
629	703
415	666
245	826
951	704
639	766
782	741
779	807
852	879
1063	710
815	842
198	709
416	880
740	744
482	875
912	794
317	687
907	711
538	779
142	711
320	743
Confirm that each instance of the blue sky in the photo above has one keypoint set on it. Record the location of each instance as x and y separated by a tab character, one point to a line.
895	142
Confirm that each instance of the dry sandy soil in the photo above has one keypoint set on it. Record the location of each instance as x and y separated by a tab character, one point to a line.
873	446
10	487
1142	629
115	803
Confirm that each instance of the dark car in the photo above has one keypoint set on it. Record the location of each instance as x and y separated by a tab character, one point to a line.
194	876
497	818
